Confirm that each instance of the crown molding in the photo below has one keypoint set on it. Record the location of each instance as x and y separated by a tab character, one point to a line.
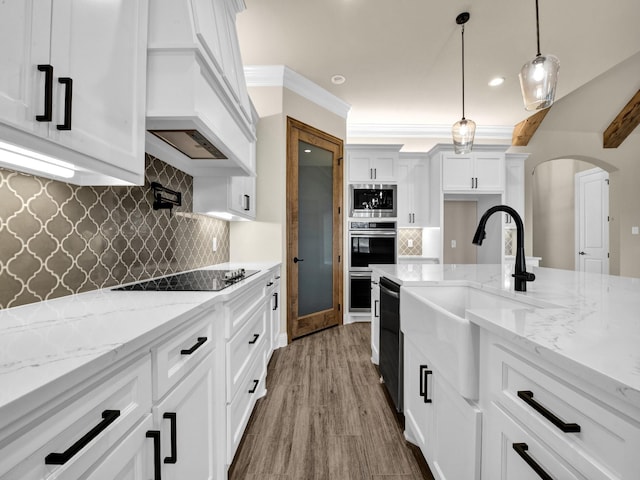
283	76
381	130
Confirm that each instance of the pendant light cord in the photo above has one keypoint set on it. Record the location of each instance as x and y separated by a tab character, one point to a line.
537	29
463	70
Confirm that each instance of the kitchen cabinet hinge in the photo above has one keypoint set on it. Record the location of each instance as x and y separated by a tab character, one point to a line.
608	218
339	161
339	258
606	180
339	307
607	255
339	210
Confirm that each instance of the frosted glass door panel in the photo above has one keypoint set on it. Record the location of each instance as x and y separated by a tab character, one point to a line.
315	229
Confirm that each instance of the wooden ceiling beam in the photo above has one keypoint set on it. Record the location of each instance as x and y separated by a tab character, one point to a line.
524	131
622	126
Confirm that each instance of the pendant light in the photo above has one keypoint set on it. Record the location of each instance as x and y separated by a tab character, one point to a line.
463	130
538	77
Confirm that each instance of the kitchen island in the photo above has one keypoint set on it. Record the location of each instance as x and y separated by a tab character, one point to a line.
571	343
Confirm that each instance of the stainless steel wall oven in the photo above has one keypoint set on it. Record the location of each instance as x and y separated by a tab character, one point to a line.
369	243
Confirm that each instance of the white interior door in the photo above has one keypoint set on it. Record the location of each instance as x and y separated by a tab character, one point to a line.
592	221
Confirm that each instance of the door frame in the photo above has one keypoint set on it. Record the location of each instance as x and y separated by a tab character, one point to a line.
578	219
296	131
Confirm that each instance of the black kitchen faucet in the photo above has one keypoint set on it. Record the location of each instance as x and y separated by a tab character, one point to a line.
521	275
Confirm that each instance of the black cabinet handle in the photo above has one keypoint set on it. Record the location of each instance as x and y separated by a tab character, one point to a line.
424	373
277	277
275	306
296	259
109	416
527	397
68	98
255	386
197	345
269	284
48	93
256	336
376	311
157	466
172	417
521	449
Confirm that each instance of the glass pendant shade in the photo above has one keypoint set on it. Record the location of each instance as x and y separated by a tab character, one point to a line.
463	132
538	79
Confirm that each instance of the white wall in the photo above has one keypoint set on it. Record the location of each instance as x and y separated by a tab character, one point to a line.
265	238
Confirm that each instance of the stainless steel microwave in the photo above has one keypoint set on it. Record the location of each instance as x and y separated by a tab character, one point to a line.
373	200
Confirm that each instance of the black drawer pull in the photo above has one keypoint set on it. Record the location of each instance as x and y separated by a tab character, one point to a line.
424	373
68	98
198	344
527	396
157	466
109	416
255	386
269	284
172	417
521	449
48	93
275	305
256	336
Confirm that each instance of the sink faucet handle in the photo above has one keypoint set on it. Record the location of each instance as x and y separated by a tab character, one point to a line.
526	276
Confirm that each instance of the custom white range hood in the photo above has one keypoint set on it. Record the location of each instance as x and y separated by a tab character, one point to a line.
199	116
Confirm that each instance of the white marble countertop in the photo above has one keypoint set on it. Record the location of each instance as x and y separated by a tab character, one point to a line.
594	333
47	345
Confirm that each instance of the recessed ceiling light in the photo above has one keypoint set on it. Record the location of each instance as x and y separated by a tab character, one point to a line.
307	151
338	79
494	82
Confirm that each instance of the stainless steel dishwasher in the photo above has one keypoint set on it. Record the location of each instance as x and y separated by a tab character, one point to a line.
391	341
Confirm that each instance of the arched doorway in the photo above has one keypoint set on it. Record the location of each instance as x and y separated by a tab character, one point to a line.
556	201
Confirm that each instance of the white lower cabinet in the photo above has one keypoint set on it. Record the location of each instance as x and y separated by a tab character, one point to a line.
375	318
67	439
188	431
131	459
542	418
176	409
445	426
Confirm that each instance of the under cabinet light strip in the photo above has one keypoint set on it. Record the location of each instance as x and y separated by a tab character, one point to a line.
14	156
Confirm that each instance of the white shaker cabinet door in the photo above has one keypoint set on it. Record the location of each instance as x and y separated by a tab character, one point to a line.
457	172
187	425
101	46
24	44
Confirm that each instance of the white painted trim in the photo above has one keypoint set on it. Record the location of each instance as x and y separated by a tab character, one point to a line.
283	76
282	341
377	130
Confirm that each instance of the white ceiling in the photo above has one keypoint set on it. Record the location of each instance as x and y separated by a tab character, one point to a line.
402	58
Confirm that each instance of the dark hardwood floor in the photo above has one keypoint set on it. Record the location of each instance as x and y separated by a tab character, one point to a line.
325	416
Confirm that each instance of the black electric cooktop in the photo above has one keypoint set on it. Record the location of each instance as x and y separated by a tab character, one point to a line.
196	281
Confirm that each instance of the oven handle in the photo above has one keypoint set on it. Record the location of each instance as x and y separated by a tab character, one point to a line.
372	233
386	291
360	274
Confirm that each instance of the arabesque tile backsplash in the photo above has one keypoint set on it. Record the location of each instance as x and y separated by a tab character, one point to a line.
58	239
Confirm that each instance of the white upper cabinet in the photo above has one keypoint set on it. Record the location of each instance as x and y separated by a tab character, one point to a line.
230	198
476	171
413	191
72	88
372	163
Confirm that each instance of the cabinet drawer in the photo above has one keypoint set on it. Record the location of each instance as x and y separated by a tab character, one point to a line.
252	387
179	353
244	347
238	308
82	430
529	454
599	441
